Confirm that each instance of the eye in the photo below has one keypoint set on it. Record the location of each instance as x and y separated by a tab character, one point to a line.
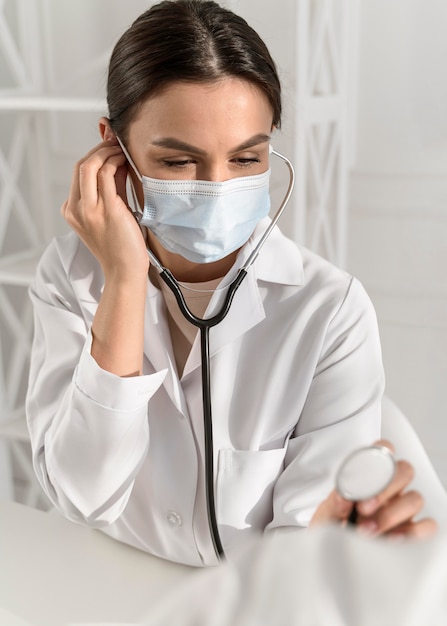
179	163
246	162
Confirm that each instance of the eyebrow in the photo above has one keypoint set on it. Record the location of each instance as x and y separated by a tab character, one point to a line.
177	144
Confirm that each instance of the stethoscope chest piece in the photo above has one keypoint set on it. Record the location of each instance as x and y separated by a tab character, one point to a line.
365	473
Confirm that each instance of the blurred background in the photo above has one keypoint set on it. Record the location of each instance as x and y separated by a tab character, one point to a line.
365	95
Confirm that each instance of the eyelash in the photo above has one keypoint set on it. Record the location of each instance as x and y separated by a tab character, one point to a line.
242	163
246	162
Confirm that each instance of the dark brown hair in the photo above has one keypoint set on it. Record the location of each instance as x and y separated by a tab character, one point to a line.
185	40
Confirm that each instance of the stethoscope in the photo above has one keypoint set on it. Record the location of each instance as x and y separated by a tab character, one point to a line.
204	326
364	474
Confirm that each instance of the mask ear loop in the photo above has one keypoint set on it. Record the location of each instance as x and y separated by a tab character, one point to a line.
129	158
136	214
253	256
160	268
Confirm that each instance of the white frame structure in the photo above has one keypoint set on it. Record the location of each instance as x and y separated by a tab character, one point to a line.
20	48
321	132
320	154
24	163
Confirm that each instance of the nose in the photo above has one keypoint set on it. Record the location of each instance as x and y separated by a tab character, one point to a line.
213	172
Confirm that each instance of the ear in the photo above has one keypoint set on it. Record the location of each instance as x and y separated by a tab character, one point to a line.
105	130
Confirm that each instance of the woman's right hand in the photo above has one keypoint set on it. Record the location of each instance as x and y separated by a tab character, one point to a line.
97	211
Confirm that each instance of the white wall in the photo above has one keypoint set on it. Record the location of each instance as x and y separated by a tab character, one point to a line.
398	212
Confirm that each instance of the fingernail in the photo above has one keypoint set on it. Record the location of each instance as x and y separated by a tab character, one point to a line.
369	506
368	528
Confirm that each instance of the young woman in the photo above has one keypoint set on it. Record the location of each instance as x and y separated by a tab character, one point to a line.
115	394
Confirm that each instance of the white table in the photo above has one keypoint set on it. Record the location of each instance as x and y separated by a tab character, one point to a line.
54	572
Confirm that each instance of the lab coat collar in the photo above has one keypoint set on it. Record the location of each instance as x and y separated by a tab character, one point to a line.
245	312
279	260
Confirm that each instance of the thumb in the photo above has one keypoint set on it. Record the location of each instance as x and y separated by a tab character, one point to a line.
333	509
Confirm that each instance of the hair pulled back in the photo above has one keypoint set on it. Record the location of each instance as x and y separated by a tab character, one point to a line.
185	40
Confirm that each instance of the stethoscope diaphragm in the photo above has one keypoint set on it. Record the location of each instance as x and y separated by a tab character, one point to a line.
365	473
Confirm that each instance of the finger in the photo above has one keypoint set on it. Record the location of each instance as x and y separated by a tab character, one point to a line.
90	153
64	209
402	478
86	196
386	444
333	509
88	169
120	180
393	514
107	177
422	529
102	144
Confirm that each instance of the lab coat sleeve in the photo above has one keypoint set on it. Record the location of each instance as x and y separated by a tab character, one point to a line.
88	428
342	410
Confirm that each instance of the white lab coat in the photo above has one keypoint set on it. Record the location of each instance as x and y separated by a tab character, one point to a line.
297	381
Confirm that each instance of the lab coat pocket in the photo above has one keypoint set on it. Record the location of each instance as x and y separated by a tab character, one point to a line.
245	482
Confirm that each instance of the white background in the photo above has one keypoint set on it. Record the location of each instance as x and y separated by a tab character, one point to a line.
397	240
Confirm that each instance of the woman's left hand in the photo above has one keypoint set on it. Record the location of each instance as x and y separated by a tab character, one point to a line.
390	513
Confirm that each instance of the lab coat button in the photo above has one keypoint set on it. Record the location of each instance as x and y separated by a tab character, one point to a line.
174	518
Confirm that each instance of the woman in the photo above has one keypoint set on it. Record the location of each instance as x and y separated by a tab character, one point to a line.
115	405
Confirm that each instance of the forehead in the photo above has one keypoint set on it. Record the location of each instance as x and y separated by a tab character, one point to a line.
230	106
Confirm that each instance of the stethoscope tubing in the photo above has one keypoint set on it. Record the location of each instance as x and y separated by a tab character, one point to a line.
204	326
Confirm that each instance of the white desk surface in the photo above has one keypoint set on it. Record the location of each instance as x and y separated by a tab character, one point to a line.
54	572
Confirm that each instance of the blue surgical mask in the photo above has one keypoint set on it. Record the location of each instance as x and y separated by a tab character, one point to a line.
204	221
